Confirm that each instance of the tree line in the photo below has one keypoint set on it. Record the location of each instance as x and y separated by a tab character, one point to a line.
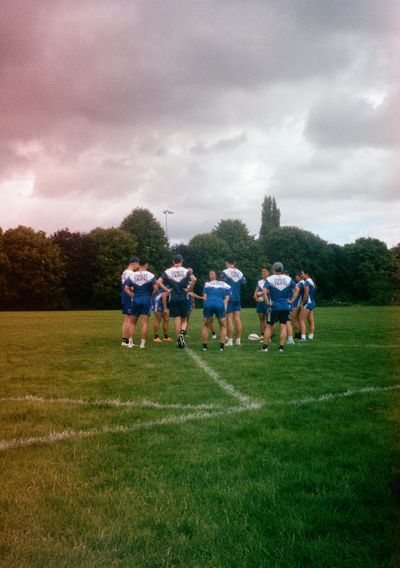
76	270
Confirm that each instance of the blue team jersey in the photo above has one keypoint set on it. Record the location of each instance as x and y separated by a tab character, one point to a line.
216	291
178	279
280	287
236	280
299	299
260	286
125	298
311	291
142	282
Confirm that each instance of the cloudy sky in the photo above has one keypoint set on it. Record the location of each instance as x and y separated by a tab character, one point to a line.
202	107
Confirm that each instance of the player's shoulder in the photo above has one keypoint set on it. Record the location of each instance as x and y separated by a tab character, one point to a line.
126	274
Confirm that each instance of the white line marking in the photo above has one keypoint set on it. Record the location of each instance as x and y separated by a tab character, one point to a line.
330	396
68	434
252	405
229	389
117	403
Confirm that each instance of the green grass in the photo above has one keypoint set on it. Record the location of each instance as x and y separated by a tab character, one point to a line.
279	485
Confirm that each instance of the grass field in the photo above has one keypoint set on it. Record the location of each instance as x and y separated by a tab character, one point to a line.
163	457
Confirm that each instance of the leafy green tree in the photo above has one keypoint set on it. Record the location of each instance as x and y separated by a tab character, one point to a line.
36	270
208	253
395	254
150	237
114	247
270	217
298	249
367	271
4	271
245	251
79	252
191	256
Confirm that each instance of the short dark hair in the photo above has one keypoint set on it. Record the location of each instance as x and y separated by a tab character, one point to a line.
177	258
143	261
230	260
133	259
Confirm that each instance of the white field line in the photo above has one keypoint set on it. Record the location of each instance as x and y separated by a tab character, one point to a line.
229	389
68	434
332	396
116	402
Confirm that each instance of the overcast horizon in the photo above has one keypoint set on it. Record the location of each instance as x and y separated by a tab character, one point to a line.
202	108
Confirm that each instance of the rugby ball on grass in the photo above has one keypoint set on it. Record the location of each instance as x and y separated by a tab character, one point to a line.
253	337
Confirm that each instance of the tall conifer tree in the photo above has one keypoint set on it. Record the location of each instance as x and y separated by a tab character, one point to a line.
270	216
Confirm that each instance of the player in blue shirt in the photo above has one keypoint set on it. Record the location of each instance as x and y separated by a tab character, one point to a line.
296	301
278	290
307	307
126	302
140	286
159	307
236	280
262	308
181	281
216	295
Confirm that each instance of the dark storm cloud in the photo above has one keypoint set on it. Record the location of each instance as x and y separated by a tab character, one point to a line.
343	119
188	103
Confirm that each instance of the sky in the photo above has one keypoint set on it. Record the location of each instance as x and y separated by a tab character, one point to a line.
201	107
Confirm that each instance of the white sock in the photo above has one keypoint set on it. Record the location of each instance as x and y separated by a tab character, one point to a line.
130	341
303	337
142	343
310	336
290	340
238	341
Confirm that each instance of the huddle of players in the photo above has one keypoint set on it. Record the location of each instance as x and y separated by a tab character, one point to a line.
280	299
172	295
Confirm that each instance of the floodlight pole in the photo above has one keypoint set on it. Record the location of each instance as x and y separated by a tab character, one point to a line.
166	213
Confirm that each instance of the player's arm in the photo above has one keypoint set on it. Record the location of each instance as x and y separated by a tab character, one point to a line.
128	289
161	284
194	295
226	301
306	295
256	294
192	282
296	292
265	293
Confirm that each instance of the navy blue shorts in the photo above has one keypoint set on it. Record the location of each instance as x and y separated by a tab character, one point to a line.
214	309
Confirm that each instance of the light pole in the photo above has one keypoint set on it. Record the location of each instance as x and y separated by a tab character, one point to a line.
166	213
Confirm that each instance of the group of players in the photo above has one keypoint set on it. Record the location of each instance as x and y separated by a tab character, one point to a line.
279	300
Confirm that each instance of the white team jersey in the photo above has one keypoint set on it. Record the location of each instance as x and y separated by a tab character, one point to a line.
234	274
260	286
126	274
177	273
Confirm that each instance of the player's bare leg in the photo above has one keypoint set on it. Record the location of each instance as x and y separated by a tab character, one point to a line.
303	326
144	329
229	329
238	326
